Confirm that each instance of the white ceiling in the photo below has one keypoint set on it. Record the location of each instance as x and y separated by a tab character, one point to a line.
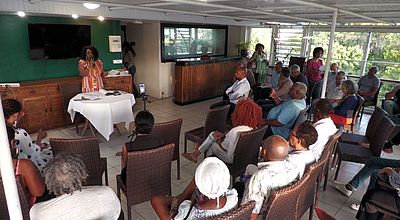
256	11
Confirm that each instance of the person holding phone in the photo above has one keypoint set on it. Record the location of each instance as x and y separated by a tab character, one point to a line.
91	70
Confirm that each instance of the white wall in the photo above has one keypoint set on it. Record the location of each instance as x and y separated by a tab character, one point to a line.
159	77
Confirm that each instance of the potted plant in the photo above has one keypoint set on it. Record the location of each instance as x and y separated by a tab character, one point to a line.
243	48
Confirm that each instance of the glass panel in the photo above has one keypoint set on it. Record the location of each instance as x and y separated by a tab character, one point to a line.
190	42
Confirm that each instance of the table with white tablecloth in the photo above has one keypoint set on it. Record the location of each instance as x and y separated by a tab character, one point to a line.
102	111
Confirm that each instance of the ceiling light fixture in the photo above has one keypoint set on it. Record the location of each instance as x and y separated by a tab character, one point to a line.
101	18
91	6
21	14
74	16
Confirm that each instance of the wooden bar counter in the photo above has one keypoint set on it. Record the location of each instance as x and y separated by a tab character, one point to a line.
197	80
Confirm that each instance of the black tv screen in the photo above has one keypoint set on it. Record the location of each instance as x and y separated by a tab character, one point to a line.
57	41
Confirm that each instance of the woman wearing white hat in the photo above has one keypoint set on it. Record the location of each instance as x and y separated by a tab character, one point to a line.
206	195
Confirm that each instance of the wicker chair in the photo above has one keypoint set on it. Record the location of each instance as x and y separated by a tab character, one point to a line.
359	154
241	213
68	91
371	103
372	126
215	121
306	198
301	118
148	173
246	152
171	132
329	149
88	149
282	203
22	199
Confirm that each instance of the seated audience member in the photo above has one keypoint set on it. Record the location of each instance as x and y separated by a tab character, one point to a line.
391	104
64	176
36	151
141	138
246	117
332	74
334	91
275	172
297	76
383	195
280	94
282	117
368	85
249	74
276	74
324	126
343	112
300	139
207	195
239	89
33	181
370	170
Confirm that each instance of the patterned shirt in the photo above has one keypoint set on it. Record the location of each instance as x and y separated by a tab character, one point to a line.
394	180
93	81
261	66
271	176
313	70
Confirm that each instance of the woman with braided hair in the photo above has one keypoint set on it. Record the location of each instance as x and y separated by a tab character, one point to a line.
64	176
246	117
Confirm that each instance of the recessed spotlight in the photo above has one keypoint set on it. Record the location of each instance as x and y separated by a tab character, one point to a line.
101	18
74	16
21	14
91	5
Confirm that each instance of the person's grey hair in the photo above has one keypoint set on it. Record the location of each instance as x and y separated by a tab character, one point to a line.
341	73
350	86
294	67
65	174
302	88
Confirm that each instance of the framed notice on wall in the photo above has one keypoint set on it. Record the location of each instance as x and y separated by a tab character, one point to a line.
114	42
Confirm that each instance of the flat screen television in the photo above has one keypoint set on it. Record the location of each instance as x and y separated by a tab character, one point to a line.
57	41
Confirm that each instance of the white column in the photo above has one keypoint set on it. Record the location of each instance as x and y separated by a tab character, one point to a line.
330	52
305	41
272	53
365	55
7	172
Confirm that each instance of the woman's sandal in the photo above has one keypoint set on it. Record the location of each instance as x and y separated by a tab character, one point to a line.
189	157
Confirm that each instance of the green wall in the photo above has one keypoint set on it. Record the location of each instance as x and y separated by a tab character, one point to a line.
15	62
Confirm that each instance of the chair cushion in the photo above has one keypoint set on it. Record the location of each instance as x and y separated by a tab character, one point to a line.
356	139
353	153
196	135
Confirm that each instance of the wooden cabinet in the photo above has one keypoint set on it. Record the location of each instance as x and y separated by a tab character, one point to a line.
42	103
123	83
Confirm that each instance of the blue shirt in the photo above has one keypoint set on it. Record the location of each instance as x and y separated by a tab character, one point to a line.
275	79
347	107
286	113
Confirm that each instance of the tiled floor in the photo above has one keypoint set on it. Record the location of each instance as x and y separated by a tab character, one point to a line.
193	116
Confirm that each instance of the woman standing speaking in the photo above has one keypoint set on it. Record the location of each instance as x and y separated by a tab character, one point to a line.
91	70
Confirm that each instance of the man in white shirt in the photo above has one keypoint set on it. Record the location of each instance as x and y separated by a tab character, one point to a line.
300	139
275	173
64	176
333	72
239	89
324	126
334	89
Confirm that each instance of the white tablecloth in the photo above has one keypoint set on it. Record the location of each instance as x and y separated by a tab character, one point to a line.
104	112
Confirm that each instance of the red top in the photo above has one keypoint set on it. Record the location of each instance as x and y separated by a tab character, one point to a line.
313	72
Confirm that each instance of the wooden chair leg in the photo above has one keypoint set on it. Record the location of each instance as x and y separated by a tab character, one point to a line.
338	168
118	192
106	176
326	177
129	212
310	215
185	146
178	169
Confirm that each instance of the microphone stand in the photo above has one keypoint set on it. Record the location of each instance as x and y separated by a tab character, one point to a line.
144	98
